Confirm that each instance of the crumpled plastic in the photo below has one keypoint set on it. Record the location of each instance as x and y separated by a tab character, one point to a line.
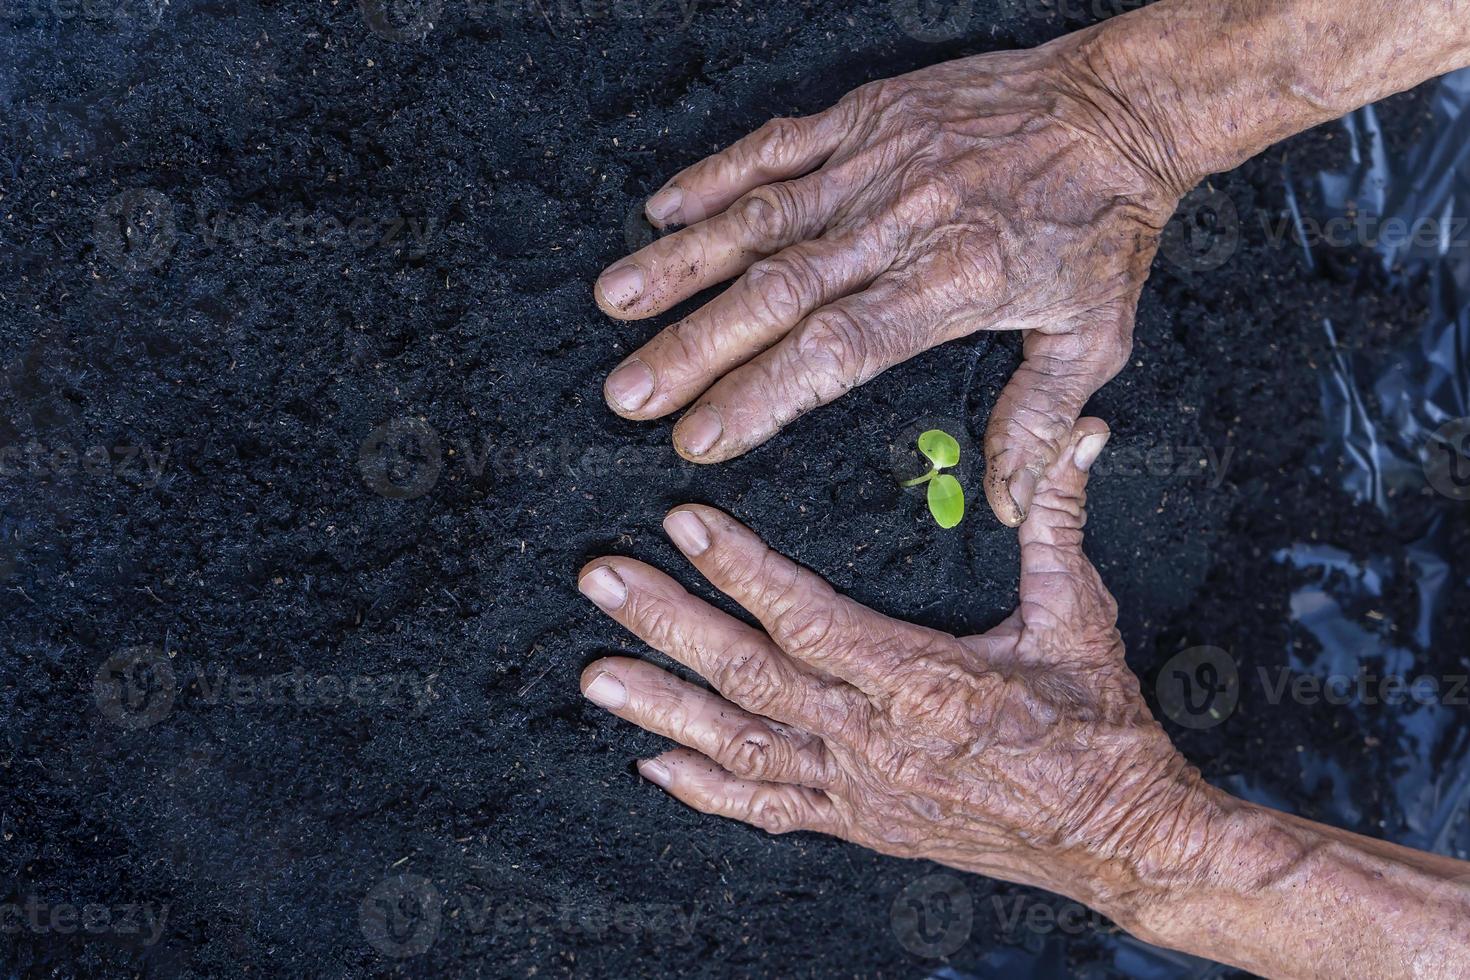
1379	416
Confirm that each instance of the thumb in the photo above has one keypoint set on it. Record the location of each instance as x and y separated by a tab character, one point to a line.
1031	423
1059	587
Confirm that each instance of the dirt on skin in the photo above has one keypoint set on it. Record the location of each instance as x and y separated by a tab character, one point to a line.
314	714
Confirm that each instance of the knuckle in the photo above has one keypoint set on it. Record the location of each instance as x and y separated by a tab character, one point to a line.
652	616
754	752
768	213
775	812
748	677
693	343
806	627
925	201
780	144
780	288
834	344
1116	352
738	572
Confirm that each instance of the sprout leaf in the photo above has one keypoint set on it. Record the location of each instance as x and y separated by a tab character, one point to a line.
946	498
940	447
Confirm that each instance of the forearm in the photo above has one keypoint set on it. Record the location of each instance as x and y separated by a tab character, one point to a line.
1202	85
1285	897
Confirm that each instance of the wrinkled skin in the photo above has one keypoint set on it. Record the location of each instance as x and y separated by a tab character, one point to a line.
1007	191
1025	753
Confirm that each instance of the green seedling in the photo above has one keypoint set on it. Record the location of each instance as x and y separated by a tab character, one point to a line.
946	496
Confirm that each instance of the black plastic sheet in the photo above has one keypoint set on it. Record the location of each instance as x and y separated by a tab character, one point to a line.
1383	423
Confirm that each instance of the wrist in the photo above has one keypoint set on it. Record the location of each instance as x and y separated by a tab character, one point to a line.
1199	86
1182	847
1246	846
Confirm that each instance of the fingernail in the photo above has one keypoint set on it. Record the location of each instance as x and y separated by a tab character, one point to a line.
687	531
629	386
655	772
662	205
1022	487
700	430
1088	449
607	691
621	286
603	587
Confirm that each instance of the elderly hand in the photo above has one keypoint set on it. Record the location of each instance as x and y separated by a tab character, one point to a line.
1026	753
1008	191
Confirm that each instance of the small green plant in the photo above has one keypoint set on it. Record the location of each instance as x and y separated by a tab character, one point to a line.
946	496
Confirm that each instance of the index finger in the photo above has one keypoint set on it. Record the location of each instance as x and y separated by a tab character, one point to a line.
779	150
805	616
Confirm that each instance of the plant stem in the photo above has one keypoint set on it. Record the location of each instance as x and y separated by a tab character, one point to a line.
921	479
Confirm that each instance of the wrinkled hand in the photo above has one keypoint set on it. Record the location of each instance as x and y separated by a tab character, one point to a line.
1008	191
1025	753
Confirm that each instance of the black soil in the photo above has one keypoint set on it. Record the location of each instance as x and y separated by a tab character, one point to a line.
356	227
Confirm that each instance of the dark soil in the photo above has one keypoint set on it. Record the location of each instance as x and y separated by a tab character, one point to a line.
488	170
